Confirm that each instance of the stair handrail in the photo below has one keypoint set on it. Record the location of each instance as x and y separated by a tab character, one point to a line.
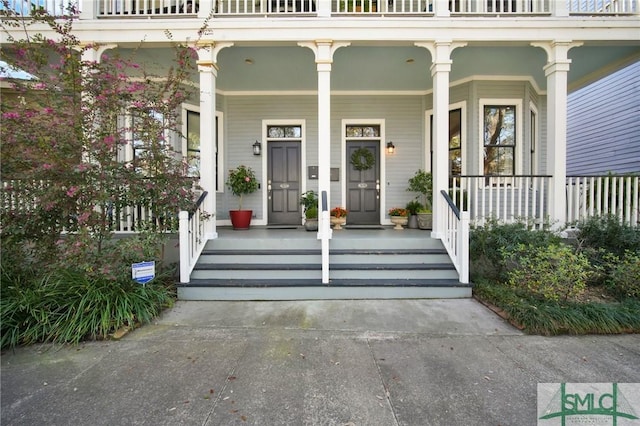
191	236
456	236
324	235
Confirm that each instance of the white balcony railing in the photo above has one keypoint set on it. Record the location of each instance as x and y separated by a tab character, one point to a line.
379	8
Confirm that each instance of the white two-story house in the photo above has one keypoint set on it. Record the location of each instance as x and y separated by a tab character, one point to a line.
474	91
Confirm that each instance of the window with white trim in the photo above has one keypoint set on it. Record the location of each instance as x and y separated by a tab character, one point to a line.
191	142
499	139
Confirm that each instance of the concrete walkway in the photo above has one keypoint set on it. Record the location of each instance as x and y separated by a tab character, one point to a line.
407	362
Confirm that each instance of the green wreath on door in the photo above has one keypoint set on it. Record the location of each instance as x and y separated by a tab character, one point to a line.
362	159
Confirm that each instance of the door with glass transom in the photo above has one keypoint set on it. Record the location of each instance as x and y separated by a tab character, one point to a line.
363	175
283	175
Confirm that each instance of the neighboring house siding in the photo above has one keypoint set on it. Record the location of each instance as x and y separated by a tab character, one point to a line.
603	126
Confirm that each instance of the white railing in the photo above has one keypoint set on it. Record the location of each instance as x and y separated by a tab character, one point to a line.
381	8
456	236
22	197
53	7
147	8
589	196
503	198
192	238
593	7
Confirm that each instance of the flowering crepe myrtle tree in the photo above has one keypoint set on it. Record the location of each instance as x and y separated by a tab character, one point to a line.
65	130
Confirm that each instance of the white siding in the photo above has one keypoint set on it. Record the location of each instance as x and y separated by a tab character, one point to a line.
603	131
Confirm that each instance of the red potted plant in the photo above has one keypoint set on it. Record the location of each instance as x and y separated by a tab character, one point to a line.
242	180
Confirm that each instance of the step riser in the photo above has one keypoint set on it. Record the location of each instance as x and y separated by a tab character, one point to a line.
314	244
317	274
317	259
321	293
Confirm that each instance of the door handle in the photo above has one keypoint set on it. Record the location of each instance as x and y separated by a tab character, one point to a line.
269	189
378	189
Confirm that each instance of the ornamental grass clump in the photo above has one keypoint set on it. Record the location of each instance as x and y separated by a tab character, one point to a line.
242	181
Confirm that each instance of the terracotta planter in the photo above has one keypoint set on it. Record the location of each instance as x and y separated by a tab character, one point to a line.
337	222
240	219
399	221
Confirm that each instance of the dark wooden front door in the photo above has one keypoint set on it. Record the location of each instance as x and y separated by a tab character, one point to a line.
363	186
283	183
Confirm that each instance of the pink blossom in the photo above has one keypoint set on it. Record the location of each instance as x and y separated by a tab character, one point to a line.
48	110
247	179
83	217
109	141
11	115
72	191
47	166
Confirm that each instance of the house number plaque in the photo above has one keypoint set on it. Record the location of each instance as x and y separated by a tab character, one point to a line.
362	185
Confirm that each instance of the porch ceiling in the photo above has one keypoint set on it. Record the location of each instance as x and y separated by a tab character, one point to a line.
390	68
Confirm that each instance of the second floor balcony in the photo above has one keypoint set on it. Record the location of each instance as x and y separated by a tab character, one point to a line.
105	9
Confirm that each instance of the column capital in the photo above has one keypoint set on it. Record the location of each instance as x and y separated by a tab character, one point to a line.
440	50
557	50
324	49
208	52
92	52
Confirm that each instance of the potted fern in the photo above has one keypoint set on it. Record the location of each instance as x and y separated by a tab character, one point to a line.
422	183
309	202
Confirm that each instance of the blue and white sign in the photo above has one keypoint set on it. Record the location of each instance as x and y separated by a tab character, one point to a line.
143	272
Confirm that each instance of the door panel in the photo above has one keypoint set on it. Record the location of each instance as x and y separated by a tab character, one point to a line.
363	187
283	174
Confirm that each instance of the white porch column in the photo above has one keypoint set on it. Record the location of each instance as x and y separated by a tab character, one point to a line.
207	58
324	50
556	71
440	69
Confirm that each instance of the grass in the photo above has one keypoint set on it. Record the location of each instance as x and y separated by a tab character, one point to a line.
536	316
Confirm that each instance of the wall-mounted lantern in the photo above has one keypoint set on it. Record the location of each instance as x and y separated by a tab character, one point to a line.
257	148
391	148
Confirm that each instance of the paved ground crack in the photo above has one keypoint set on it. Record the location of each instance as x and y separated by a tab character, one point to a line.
387	395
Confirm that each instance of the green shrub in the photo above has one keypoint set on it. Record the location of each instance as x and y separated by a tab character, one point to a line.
623	278
67	306
487	242
552	272
88	300
607	232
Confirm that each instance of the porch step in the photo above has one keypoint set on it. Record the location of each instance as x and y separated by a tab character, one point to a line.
365	265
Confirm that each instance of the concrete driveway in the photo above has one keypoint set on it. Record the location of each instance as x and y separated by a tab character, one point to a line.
395	362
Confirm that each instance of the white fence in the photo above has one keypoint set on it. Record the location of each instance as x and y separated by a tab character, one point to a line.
505	198
603	195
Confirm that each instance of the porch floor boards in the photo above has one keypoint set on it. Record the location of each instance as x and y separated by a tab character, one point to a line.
285	264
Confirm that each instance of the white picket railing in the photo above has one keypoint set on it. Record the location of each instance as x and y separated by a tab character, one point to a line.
192	238
456	237
503	198
615	195
325	8
22	197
